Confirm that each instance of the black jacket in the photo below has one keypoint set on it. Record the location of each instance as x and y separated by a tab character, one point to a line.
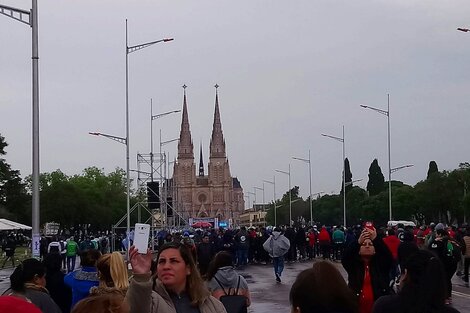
379	268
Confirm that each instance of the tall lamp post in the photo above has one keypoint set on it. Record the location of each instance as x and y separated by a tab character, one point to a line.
262	189
31	18
290	194
310	185
253	194
154	117
387	114
341	139
274	196
129	50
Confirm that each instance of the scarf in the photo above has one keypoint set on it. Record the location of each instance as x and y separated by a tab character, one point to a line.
366	298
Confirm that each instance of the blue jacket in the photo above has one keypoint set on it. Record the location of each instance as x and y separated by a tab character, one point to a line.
81	281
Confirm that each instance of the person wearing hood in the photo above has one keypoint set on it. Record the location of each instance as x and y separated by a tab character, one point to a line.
222	279
277	246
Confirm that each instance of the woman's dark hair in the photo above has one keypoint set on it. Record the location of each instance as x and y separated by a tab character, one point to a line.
197	291
322	289
442	232
25	272
221	259
424	287
90	257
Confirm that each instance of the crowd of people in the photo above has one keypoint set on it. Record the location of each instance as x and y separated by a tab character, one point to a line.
399	269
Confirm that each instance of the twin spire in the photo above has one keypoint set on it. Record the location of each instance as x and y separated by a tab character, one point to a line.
217	143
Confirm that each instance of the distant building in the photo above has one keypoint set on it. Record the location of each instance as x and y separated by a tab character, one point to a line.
253	217
216	194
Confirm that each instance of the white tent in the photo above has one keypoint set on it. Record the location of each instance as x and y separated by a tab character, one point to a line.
10	225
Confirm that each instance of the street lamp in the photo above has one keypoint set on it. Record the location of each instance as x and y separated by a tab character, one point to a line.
465	30
154	117
129	50
387	114
310	173
258	188
395	169
31	18
290	195
274	196
341	139
253	194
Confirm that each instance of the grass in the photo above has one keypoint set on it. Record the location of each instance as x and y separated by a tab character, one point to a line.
21	253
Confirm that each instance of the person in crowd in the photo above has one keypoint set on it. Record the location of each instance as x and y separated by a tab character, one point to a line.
291	255
321	289
54	246
84	278
392	242
112	274
242	244
15	304
29	281
189	242
466	255
368	263
422	287
443	248
311	237
71	248
9	249
301	243
112	302
338	242
205	252
252	249
223	279
277	246
59	291
178	286
324	240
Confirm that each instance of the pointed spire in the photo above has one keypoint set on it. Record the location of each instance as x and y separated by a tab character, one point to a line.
201	162
217	145
185	144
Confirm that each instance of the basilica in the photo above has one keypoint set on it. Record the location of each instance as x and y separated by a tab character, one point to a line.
197	195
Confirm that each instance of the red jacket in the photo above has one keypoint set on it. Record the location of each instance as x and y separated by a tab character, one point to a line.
392	242
311	239
324	236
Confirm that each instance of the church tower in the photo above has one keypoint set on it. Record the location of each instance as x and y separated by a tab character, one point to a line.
185	168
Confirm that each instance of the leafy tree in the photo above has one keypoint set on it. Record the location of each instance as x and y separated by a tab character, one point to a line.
376	183
348	177
14	200
432	169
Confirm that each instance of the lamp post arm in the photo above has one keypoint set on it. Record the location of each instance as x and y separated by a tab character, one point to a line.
333	137
19	15
154	117
115	138
375	109
145	45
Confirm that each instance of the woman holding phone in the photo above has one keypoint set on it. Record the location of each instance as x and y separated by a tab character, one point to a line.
178	286
368	263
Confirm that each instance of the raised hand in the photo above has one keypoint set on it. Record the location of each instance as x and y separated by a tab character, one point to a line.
140	262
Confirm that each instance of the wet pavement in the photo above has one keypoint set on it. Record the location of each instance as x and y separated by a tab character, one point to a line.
268	296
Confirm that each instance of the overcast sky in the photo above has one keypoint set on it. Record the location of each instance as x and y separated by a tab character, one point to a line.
288	71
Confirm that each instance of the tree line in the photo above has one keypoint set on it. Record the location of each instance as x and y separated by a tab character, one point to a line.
442	196
96	198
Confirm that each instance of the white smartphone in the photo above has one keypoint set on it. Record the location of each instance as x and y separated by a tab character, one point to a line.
141	237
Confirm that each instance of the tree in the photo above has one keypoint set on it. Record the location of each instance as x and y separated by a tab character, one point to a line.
376	183
14	200
432	169
348	177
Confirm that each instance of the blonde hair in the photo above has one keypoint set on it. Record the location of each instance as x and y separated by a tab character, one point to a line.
112	271
112	302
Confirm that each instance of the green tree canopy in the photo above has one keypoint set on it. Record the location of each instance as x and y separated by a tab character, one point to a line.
376	183
432	169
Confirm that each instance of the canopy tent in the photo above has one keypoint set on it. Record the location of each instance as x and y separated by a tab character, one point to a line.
10	225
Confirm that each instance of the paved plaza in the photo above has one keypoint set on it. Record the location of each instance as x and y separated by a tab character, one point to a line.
267	296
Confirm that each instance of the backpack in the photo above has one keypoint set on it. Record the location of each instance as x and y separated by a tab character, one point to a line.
233	303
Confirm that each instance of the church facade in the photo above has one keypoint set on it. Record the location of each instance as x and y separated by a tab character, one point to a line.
196	194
